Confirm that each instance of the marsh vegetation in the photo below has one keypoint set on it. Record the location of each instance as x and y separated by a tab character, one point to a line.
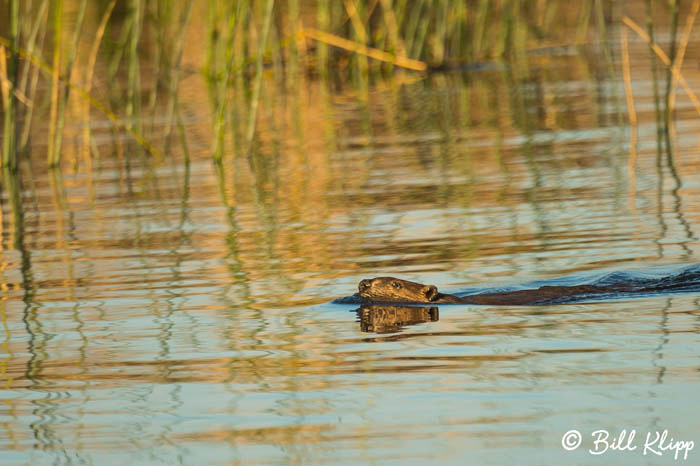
187	185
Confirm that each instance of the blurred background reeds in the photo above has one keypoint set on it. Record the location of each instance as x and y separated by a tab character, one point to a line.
114	68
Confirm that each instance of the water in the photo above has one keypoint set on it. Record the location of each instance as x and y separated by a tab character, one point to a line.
159	313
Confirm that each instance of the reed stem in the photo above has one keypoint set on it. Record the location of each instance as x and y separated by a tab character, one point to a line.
55	73
9	146
257	84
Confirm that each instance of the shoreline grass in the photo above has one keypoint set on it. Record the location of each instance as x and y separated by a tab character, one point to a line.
355	41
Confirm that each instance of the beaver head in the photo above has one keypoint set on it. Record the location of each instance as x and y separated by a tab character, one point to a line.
390	290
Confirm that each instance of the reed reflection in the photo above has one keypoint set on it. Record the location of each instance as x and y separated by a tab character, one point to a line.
42	426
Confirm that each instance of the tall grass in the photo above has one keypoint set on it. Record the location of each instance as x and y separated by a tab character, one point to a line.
55	83
9	99
352	41
29	78
219	64
62	96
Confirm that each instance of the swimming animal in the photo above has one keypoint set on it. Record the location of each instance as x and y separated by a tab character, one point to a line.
390	290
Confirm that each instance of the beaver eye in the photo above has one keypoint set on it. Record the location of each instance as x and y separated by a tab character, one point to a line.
396	285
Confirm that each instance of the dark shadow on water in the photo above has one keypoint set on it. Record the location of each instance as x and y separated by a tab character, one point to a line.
390	319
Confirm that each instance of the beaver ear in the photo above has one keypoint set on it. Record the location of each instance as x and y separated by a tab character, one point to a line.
430	292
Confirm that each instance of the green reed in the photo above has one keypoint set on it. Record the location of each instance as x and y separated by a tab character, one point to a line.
673	10
9	150
220	61
62	96
35	32
245	40
55	83
173	60
257	83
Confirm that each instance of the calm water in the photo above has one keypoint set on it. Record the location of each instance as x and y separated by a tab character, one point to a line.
159	313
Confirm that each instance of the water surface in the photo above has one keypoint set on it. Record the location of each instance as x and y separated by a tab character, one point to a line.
157	312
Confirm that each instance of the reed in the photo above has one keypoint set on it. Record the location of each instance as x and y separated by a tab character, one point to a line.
29	78
354	42
673	71
90	70
133	93
671	68
221	49
174	61
259	69
323	17
55	146
685	38
55	83
8	80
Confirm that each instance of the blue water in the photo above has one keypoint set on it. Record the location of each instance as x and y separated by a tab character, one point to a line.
155	312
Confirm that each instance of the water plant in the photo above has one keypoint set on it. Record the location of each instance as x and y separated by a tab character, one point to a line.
54	52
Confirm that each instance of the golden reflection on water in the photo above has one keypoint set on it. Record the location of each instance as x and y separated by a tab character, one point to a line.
153	310
390	319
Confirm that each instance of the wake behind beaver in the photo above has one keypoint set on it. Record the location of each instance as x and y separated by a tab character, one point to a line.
616	285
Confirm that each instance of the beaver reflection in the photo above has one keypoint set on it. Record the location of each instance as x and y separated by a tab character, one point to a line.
388	319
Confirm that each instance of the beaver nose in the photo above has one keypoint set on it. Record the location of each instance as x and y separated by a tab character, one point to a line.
365	285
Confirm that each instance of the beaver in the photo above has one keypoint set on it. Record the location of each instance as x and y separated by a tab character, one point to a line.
396	290
652	282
